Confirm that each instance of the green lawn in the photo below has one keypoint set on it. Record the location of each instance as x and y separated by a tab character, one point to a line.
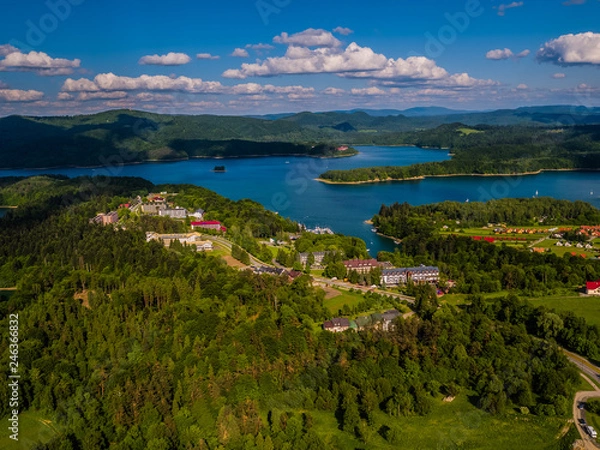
456	425
346	298
468	131
33	427
587	307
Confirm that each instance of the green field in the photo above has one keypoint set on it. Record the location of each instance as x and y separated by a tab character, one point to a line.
33	427
561	251
467	131
587	307
346	298
455	425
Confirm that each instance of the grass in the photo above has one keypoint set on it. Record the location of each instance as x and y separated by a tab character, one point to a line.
587	307
345	298
468	131
449	426
561	251
593	420
33	427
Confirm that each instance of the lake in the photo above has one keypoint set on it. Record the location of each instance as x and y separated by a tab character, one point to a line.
287	185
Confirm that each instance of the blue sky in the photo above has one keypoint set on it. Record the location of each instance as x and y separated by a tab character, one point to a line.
269	56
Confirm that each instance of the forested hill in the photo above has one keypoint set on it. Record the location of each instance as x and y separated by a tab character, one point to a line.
125	344
132	136
487	150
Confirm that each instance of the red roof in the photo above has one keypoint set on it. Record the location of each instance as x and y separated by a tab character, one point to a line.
210	222
592	285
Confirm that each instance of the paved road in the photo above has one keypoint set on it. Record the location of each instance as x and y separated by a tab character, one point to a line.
227	244
346	285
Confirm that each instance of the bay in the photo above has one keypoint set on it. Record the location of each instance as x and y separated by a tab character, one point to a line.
287	185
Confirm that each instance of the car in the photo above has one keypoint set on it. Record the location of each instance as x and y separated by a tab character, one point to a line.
581	405
582	422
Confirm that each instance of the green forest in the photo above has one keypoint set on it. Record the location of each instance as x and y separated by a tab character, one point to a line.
126	344
485	150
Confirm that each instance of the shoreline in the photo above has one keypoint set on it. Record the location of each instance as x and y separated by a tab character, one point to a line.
154	161
422	177
8	207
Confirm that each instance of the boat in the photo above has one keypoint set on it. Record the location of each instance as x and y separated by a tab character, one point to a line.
219	169
397	242
374	230
287	162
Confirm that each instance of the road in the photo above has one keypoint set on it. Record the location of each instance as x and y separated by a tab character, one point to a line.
227	244
589	369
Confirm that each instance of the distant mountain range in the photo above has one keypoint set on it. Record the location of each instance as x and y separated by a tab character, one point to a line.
143	136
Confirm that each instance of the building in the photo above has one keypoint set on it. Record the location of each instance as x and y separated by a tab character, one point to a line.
318	256
275	271
198	214
421	274
361	265
592	288
184	239
337	325
388	318
209	225
106	219
174	213
152	209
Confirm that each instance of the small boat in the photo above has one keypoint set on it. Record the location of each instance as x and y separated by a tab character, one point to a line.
287	162
467	201
219	169
396	242
374	230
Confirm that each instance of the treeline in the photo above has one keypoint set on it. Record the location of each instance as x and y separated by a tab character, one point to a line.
402	220
490	151
130	345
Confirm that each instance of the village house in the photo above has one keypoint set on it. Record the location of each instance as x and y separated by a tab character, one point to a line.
198	214
152	209
361	265
209	225
592	288
421	274
106	219
337	325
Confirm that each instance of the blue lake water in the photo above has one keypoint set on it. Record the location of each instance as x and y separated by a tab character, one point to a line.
287	185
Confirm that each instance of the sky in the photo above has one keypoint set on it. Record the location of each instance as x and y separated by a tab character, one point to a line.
239	57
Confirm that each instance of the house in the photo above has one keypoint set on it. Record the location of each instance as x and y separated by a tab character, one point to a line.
318	256
388	318
592	288
337	325
174	213
209	225
275	271
204	246
198	214
152	209
361	265
559	244
106	219
421	274
342	148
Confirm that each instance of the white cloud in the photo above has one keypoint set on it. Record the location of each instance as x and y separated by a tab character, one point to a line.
257	89
16	95
343	31
302	60
558	76
111	95
503	7
207	56
112	82
150	97
170	59
64	96
507	53
334	91
259	47
38	62
7	49
370	91
309	38
240	53
572	49
522	87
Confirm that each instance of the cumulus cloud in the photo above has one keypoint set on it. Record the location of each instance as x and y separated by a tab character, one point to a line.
343	31
170	59
240	53
206	56
112	82
309	38
370	91
558	76
522	87
257	89
334	91
7	49
16	95
260	47
151	97
89	96
503	7
38	62
506	53
302	60
571	49
64	96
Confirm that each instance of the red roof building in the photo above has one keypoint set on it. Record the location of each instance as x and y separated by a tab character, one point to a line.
209	225
592	288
